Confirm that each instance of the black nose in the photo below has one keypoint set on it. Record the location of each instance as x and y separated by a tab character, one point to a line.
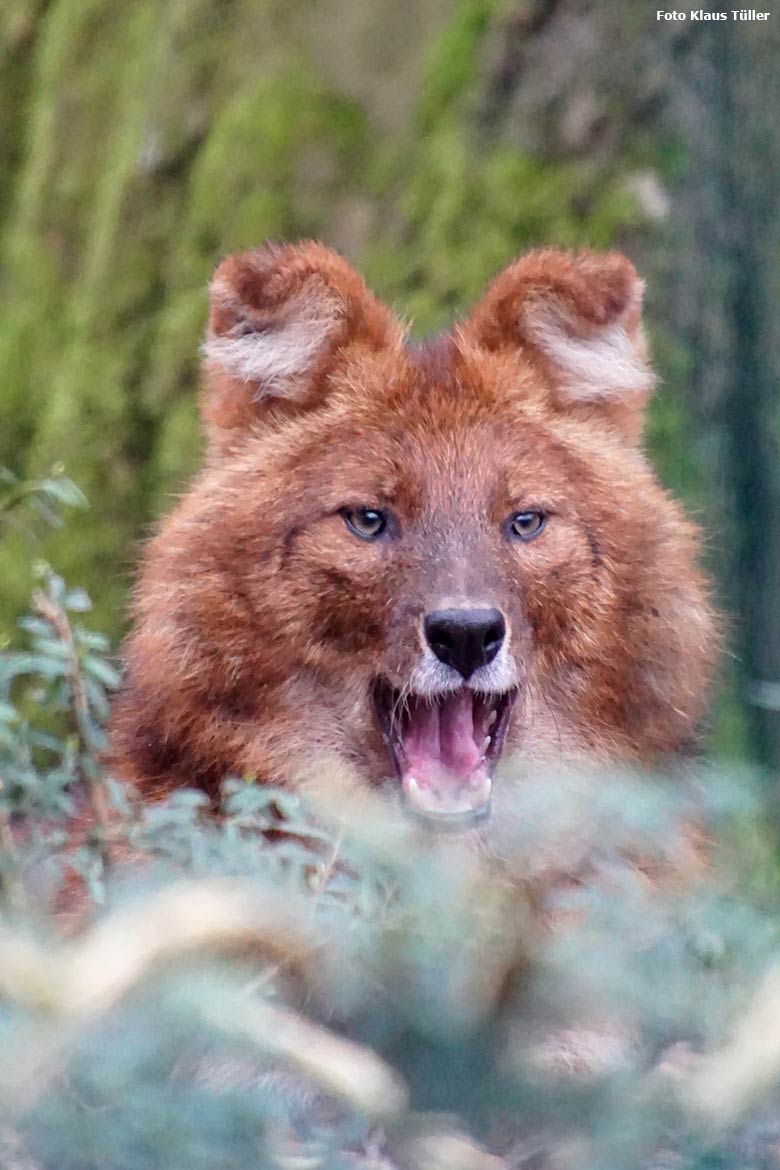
465	638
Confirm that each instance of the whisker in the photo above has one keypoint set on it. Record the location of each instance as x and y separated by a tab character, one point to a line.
400	707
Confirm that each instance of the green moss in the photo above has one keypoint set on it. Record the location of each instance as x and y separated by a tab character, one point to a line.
152	149
273	162
466	213
460	209
454	62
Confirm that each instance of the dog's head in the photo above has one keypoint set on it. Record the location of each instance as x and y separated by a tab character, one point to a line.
436	551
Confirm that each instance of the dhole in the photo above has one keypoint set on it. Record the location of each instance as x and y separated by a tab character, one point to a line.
416	558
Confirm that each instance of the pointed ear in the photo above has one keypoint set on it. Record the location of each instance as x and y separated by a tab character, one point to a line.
578	316
281	318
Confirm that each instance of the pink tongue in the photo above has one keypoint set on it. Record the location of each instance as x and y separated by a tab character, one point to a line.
439	741
456	733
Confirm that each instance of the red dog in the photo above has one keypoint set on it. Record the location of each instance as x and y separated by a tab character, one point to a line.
415	558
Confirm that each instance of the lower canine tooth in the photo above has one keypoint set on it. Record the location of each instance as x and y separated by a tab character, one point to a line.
486	743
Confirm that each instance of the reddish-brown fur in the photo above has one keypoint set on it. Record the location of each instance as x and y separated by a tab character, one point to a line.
261	622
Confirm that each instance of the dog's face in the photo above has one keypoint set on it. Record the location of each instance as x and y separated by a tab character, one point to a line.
446	550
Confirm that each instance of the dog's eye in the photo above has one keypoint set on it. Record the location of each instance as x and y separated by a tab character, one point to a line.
526	525
367	523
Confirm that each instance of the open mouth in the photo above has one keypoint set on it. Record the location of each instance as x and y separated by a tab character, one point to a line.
445	748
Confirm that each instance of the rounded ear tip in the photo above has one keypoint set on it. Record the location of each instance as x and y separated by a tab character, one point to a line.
249	259
247	279
597	287
627	285
263	278
611	285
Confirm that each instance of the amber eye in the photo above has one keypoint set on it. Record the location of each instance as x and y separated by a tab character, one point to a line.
526	525
367	523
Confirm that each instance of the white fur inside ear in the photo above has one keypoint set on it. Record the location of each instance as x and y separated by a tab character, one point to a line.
606	364
275	353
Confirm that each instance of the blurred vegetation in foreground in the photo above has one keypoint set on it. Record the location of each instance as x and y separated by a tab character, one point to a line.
312	981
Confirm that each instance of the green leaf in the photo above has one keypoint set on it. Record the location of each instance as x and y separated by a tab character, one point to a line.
78	600
103	671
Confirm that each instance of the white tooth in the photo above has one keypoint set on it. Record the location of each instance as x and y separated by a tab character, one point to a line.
486	743
492	718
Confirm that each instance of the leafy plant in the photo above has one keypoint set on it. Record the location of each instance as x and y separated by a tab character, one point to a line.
43	496
53	698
